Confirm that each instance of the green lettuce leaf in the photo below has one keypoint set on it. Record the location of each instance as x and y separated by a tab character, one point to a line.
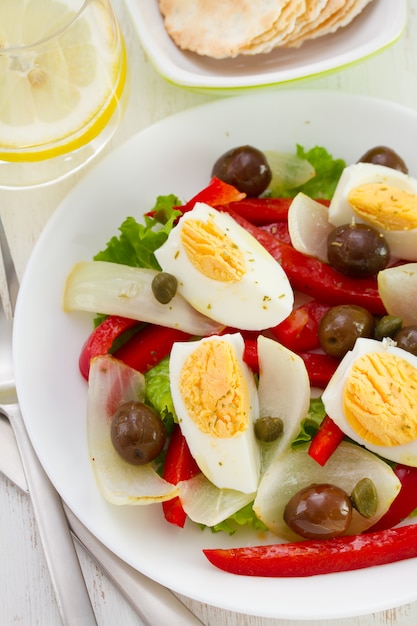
158	393
137	242
310	424
244	517
328	172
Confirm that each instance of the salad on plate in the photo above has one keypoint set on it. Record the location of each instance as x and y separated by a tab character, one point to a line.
252	363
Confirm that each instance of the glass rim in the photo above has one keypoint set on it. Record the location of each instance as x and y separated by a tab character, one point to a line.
7	49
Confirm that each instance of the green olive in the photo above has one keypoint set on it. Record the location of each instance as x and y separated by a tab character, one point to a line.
268	429
387	326
365	498
164	287
137	433
341	326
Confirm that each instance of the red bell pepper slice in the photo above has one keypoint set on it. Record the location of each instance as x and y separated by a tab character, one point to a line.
217	192
320	368
101	340
250	355
179	465
149	346
299	331
314	557
325	441
262	211
405	502
315	278
279	230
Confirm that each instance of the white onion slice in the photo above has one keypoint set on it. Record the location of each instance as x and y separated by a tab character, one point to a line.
111	383
295	469
308	225
397	287
288	170
283	391
206	504
116	289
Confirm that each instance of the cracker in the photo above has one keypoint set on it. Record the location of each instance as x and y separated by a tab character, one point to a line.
281	28
218	28
339	19
227	28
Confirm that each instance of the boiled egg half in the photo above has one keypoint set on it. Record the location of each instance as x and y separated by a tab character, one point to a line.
372	397
224	273
215	399
383	198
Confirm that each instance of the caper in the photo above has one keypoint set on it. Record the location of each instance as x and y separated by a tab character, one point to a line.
387	326
137	433
164	287
319	511
365	498
268	429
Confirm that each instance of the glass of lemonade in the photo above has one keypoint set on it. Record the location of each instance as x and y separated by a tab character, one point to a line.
62	77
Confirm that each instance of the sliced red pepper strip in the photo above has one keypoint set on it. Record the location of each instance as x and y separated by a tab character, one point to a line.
299	331
279	230
149	346
315	278
217	192
262	211
179	465
405	502
320	368
250	355
314	557
101	340
325	441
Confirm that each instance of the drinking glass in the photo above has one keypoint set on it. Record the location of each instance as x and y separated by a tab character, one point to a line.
62	77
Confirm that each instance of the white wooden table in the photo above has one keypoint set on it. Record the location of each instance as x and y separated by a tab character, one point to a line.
26	596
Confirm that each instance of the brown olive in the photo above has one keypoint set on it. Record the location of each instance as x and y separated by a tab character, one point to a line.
381	155
137	433
406	338
268	429
246	168
164	287
319	511
341	326
357	250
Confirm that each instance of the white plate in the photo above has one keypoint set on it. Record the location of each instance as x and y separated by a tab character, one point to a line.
379	25
176	156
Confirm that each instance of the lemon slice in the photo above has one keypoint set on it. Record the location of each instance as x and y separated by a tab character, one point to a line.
56	95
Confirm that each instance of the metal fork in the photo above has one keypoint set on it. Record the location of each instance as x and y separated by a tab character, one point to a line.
67	579
154	603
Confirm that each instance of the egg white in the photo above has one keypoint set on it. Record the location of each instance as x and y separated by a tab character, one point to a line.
260	299
230	462
402	243
333	399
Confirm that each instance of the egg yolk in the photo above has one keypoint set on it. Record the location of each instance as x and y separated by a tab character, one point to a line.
380	399
211	251
214	390
384	206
